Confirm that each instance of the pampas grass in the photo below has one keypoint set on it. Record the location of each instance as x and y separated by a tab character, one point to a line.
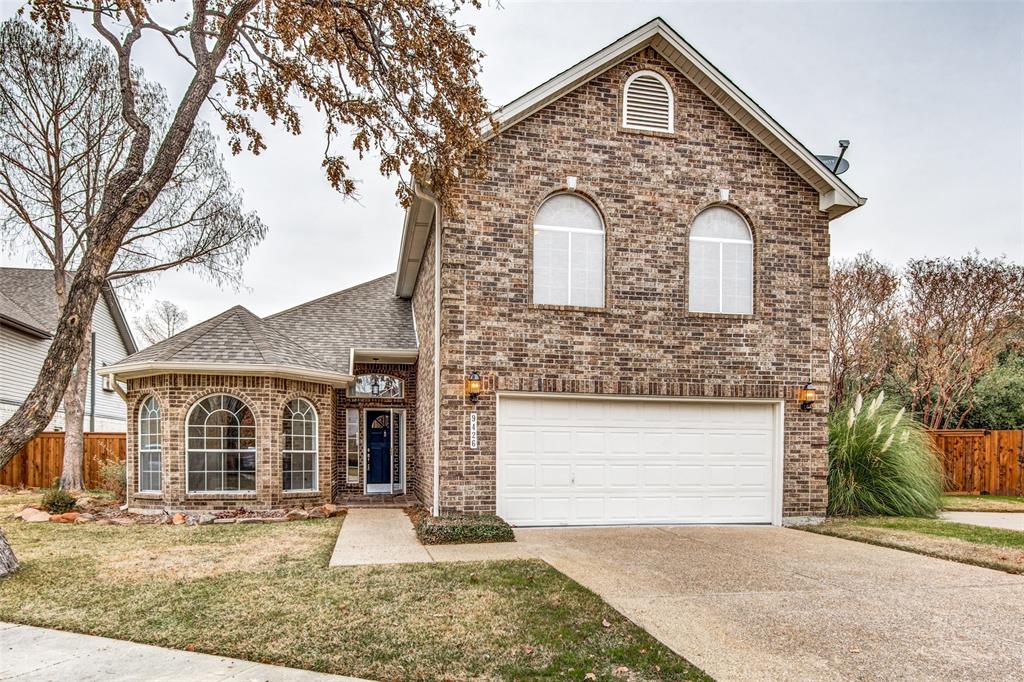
880	462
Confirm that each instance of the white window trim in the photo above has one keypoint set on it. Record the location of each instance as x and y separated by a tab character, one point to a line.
315	451
722	241
349	476
671	102
538	227
150	450
255	451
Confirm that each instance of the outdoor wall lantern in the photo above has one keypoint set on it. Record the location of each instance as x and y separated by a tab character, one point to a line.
375	386
807	395
473	386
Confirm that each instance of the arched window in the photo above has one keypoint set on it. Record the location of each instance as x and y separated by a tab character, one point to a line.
299	455
568	253
721	263
221	446
377	386
149	446
647	103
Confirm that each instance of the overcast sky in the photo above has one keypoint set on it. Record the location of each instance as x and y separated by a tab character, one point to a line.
931	96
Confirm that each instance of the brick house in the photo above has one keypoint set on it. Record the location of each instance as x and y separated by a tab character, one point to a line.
611	325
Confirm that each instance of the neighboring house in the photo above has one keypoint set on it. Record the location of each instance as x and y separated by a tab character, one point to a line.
611	326
28	320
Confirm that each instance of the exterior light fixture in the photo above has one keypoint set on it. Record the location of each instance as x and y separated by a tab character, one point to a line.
473	386
807	395
375	386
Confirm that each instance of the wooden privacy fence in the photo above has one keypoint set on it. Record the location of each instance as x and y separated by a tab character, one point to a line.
976	460
41	461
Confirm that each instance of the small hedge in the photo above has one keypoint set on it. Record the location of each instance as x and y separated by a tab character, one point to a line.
57	501
456	529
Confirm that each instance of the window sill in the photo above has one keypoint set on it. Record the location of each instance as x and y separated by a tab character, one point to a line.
149	495
219	495
300	493
651	133
603	310
722	316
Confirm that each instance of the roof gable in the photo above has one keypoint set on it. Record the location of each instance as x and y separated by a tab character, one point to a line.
837	198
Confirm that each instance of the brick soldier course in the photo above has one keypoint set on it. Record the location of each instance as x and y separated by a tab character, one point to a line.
642	342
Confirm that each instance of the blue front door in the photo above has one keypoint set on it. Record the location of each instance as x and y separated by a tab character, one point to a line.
378	450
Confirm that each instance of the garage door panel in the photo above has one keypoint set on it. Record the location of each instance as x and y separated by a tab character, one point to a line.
593	462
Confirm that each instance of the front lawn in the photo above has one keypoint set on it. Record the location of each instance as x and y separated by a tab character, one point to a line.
264	593
987	503
978	545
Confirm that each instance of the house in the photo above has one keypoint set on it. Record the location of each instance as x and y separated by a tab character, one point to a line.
28	321
612	325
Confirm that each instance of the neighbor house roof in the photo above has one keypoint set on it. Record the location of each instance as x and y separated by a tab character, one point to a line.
835	197
315	340
28	303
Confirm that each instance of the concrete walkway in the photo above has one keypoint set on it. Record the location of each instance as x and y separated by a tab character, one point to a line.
1006	520
386	536
40	655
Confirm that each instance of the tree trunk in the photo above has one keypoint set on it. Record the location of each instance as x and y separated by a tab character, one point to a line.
8	562
72	475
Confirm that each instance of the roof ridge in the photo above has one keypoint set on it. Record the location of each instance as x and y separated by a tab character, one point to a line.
333	293
207	325
246	321
27	313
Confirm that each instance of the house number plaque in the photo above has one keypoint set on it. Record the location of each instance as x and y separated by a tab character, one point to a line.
472	430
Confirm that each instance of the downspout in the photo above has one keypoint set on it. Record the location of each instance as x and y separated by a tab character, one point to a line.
437	343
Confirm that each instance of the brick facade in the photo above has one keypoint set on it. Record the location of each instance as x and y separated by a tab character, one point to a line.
643	342
266	397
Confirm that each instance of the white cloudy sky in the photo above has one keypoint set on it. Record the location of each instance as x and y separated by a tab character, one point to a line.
930	94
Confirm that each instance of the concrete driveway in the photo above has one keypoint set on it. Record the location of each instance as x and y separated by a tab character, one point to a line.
747	603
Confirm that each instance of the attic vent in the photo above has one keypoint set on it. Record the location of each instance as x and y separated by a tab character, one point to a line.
647	104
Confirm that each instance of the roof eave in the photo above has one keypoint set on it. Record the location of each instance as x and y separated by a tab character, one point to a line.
133	370
419	218
24	328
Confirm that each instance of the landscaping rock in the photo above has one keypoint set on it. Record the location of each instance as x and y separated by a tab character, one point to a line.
67	517
178	519
316	513
85	518
250	519
103	522
331	510
228	520
85	503
296	515
122	521
206	519
34	515
273	519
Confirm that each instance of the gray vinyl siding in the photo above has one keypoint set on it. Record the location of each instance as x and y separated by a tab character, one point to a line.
21	359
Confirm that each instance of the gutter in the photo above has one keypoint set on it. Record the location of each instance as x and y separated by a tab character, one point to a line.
426	196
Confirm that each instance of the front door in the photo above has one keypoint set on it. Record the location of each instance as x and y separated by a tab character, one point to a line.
378	451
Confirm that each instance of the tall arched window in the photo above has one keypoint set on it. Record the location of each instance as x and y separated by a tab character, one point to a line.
299	454
721	263
149	446
568	253
221	446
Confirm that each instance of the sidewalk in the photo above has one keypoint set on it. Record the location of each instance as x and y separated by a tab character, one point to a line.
386	536
1005	520
41	655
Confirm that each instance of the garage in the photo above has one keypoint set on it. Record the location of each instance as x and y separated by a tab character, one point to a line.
580	461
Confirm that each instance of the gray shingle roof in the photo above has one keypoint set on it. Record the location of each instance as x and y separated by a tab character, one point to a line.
318	335
27	300
366	316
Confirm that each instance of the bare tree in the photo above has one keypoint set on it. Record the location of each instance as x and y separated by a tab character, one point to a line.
863	325
62	139
956	317
163	320
398	78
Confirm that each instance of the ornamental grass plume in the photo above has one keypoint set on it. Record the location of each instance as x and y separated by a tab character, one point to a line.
881	462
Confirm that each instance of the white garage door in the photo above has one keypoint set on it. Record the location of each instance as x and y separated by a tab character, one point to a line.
603	462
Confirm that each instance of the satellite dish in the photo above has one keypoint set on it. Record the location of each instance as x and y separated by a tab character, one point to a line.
830	163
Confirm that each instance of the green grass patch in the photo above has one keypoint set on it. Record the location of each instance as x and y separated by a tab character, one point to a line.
977	545
264	593
457	529
990	503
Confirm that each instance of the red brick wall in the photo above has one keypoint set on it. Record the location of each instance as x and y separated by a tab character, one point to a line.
266	397
644	342
423	310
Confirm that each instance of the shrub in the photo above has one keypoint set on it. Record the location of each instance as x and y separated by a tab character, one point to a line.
112	476
999	397
881	462
454	529
57	501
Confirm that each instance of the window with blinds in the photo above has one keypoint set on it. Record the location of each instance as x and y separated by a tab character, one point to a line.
647	103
